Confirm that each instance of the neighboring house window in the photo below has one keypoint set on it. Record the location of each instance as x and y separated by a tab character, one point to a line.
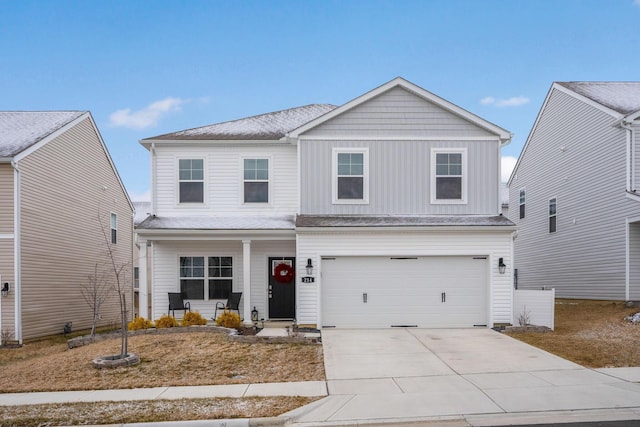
522	202
553	208
216	271
114	228
191	180
351	176
256	180
136	277
220	277
449	177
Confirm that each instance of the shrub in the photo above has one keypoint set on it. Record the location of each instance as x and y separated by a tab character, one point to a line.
166	321
140	323
229	319
193	318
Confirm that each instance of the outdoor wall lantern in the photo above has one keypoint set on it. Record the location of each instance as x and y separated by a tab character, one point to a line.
254	315
309	267
5	289
501	266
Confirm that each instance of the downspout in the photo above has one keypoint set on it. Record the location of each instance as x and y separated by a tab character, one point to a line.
17	286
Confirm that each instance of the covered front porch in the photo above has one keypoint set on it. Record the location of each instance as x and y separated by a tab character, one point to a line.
207	265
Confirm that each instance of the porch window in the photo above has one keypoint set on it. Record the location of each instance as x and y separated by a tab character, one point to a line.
114	228
256	180
215	271
553	209
220	277
191	180
350	176
448	184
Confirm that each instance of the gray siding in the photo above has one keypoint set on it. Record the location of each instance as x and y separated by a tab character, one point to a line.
65	187
398	112
635	186
399	177
576	155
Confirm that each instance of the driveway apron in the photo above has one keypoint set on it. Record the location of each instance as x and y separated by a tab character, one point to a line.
412	373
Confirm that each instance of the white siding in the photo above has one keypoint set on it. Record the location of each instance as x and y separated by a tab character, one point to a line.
576	155
398	112
494	244
635	168
634	261
537	305
223	183
400	178
165	274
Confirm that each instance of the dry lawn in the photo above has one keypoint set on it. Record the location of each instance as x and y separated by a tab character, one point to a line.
189	358
591	333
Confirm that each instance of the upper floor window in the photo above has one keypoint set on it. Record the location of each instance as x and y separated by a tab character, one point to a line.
113	223
215	271
350	175
191	180
522	202
256	180
136	277
449	180
553	209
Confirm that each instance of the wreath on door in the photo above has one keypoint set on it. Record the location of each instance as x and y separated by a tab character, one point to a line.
283	273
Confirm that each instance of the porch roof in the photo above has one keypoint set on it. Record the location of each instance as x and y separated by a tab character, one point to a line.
402	221
238	222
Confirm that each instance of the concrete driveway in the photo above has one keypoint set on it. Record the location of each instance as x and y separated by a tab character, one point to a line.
403	374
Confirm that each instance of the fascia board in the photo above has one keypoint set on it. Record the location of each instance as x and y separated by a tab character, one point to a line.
631	117
147	143
21	155
6	159
173	234
399	81
431	228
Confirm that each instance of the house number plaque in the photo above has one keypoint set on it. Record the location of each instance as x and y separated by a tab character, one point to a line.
308	279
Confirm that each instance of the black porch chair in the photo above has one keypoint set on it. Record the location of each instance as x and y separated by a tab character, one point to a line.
176	302
233	304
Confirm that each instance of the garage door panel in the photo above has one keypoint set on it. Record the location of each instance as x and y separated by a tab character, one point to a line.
423	291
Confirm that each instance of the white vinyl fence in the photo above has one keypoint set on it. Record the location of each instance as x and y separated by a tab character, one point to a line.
537	305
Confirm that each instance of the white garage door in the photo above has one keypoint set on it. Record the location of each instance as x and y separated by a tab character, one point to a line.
428	292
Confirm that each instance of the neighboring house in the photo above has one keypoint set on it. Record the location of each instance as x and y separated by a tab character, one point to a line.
388	208
573	193
59	191
504	195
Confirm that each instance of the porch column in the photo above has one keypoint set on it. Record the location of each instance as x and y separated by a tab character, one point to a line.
143	289
246	280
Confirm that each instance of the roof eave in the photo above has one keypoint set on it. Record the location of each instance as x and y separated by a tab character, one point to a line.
465	228
6	159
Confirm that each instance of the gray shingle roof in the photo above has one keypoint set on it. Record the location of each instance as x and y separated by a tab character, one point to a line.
267	126
20	130
142	211
623	97
238	222
400	221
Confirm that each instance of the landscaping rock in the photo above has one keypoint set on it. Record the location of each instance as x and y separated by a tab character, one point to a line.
633	318
116	361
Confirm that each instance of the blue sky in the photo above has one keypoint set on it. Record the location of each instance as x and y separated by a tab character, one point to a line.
145	68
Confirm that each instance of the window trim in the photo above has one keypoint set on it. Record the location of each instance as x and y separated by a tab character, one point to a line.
555	215
522	210
365	175
206	276
434	176
203	180
269	180
113	228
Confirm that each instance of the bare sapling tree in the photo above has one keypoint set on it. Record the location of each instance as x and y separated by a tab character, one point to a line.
95	292
119	272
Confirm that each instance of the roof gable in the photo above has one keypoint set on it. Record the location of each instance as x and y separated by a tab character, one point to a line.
621	97
407	86
269	126
20	130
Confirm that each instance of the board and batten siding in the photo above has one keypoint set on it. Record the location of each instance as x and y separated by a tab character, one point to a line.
223	184
577	156
68	190
397	113
165	274
493	244
399	178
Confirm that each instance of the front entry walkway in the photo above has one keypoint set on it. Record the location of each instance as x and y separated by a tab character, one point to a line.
402	374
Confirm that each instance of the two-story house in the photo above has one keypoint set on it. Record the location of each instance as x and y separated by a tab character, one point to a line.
382	212
60	194
574	194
